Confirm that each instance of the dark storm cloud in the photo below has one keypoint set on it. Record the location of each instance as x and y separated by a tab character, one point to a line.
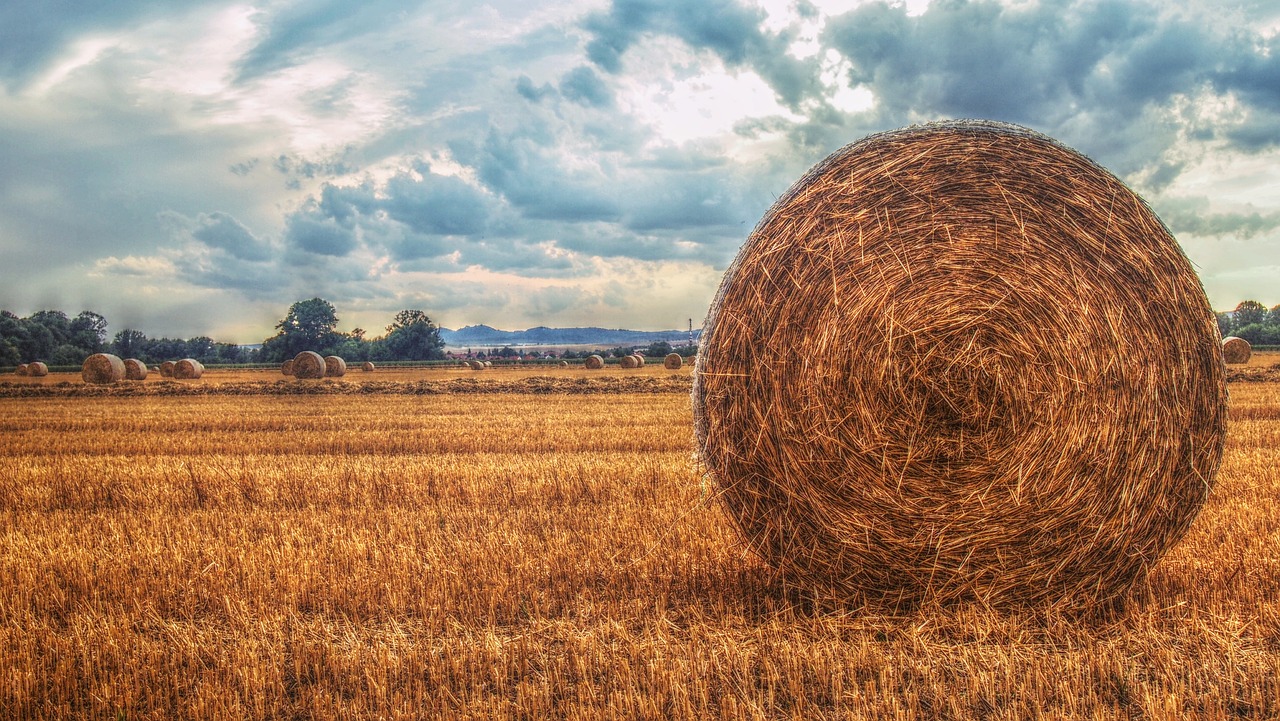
312	232
219	230
729	29
437	205
583	86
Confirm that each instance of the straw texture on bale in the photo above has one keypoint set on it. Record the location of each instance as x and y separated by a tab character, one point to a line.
308	364
627	361
673	362
334	367
593	362
286	368
640	361
188	369
102	368
1236	350
166	369
961	362
37	369
134	370
367	367
21	369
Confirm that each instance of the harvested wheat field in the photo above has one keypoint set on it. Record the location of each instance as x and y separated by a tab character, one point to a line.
483	551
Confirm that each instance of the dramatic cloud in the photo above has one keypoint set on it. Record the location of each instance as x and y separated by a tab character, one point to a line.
197	166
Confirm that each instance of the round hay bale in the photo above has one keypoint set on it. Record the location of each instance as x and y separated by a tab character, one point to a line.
334	367
367	367
188	369
21	369
308	364
475	365
673	362
1236	350
1010	388
593	362
166	369
488	364
564	364
627	361
640	361
286	368
102	368
134	370
37	369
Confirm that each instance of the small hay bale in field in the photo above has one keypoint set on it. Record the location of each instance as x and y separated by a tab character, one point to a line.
1236	350
1011	388
593	362
334	367
286	368
166	369
367	367
475	365
627	361
640	361
488	364
564	364
37	369
308	364
673	362
188	369
102	368
21	369
134	370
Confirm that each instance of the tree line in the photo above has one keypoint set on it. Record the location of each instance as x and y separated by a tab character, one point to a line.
60	340
1252	321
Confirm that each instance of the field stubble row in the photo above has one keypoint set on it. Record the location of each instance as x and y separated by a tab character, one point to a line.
531	556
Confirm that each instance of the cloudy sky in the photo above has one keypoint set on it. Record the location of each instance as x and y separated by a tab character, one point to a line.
194	167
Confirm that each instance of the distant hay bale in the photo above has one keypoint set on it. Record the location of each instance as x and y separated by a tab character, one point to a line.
593	362
640	361
102	368
188	369
367	367
334	367
1009	390
627	361
476	365
166	369
488	364
37	369
308	364
1236	350
286	368
673	362
134	370
564	364
21	369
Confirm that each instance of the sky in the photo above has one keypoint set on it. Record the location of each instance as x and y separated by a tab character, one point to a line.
194	167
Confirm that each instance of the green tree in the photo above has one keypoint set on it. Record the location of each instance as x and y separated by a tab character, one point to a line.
1224	324
89	332
309	325
1273	318
129	343
1249	312
413	336
658	349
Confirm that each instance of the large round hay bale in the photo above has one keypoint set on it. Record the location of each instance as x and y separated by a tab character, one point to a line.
188	369
134	370
593	362
673	362
102	368
367	367
286	368
21	369
1236	350
334	367
166	369
37	369
1009	387
627	361
308	364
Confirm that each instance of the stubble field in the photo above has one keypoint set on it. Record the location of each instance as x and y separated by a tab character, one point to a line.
546	551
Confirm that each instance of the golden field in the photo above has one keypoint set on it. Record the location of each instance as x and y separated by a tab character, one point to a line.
532	555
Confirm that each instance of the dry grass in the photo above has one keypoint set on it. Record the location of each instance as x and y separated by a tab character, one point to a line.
962	361
228	557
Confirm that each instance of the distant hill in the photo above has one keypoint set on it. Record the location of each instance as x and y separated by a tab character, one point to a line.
484	336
